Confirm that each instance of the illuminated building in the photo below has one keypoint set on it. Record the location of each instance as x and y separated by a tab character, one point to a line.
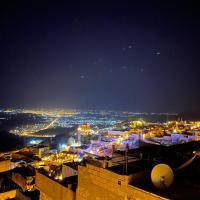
197	134
40	150
102	184
6	165
16	187
85	129
140	179
51	189
69	169
24	177
8	188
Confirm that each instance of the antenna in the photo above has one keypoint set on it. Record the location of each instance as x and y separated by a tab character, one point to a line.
162	176
126	158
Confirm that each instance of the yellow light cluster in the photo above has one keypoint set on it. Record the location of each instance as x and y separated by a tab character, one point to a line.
51	113
134	124
59	158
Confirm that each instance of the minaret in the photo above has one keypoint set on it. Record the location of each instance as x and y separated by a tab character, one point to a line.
79	137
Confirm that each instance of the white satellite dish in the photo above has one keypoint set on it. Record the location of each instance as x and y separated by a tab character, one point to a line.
162	176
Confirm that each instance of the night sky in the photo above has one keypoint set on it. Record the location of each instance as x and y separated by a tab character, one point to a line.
139	56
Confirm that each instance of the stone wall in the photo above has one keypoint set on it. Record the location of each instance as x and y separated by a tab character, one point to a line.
8	195
95	183
52	190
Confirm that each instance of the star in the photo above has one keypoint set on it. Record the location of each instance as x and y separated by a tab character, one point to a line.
130	46
123	49
141	70
82	76
124	67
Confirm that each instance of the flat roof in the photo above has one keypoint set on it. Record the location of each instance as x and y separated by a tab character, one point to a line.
73	180
186	183
25	171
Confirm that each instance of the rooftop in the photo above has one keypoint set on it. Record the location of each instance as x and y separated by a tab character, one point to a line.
72	180
25	171
186	183
6	183
73	165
